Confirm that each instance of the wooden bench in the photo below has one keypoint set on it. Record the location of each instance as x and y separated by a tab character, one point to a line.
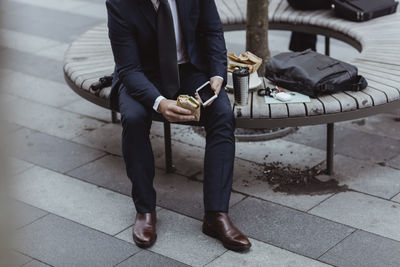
90	57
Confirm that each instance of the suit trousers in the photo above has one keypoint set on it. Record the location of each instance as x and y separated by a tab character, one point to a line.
219	124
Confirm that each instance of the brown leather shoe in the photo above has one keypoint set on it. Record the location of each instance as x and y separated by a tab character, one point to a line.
144	230
218	225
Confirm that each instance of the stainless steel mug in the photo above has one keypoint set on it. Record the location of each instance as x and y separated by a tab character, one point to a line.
241	83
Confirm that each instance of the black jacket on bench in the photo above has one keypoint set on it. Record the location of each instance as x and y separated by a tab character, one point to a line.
132	28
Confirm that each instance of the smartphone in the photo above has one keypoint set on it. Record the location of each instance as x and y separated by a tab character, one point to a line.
206	94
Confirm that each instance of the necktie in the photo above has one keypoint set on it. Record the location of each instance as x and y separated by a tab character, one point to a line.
167	50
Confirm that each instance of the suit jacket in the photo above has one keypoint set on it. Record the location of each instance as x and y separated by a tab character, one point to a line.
133	36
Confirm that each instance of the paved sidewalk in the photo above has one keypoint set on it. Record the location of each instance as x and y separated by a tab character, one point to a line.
73	193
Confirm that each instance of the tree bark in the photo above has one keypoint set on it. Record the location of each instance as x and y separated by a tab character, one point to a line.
257	31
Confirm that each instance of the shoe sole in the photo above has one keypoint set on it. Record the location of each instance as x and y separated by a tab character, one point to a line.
230	247
144	244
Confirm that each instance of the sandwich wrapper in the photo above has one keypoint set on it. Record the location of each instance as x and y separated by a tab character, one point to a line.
244	60
191	104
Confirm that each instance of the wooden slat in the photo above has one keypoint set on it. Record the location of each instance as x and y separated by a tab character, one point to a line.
243	111
79	79
315	107
378	70
260	108
278	111
331	104
373	64
378	97
363	100
347	102
296	110
391	93
273	5
282	6
381	81
389	79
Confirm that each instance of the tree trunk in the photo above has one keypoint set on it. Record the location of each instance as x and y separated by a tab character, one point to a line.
257	31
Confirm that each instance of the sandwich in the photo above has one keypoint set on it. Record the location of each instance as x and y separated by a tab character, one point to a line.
191	104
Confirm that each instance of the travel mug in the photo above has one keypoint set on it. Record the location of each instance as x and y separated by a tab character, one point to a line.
241	82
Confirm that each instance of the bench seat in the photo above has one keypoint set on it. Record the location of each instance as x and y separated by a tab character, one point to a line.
90	57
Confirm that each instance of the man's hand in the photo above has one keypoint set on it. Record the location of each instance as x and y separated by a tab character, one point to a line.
174	113
216	84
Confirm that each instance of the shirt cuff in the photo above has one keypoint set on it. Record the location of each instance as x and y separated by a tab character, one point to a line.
157	103
218	77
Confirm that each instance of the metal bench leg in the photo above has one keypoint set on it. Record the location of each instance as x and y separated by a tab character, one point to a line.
114	117
330	140
168	147
327	46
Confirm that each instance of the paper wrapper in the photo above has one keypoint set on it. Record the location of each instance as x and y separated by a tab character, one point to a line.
190	103
246	60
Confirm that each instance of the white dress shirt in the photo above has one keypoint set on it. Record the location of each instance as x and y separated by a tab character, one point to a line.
180	45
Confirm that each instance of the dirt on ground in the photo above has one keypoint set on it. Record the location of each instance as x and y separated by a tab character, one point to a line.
296	181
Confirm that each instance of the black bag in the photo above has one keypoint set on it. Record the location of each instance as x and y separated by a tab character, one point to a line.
363	10
310	4
313	74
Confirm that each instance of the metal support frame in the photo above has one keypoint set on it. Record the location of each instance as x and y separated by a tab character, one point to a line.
330	152
114	116
330	129
168	147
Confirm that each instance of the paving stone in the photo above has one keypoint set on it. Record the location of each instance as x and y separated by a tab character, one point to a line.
188	160
75	200
36	263
180	238
8	127
263	190
174	191
157	128
55	52
395	162
364	212
6	97
86	108
24	42
51	152
349	142
108	172
46	22
364	249
50	120
262	254
149	259
16	166
245	181
65	243
281	151
182	195
292	230
106	138
14	258
381	124
396	198
186	134
37	89
31	64
367	177
25	214
61	5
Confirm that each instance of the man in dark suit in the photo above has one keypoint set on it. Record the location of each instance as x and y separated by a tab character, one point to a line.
163	48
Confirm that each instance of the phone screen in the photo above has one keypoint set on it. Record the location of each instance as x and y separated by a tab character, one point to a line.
206	93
